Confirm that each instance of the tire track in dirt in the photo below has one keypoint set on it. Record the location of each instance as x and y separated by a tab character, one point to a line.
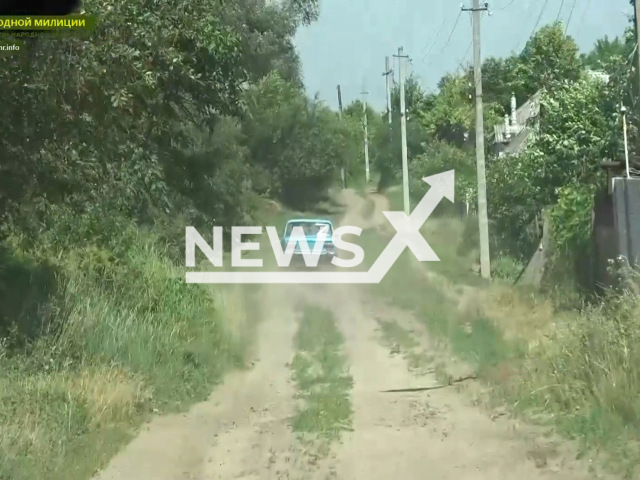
259	445
413	435
242	431
435	433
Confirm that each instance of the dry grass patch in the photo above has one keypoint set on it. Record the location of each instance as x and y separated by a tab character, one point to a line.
518	314
110	395
48	415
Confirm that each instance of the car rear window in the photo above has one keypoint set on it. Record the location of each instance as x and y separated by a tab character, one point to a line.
309	228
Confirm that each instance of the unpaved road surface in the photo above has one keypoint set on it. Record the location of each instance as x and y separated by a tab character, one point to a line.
244	430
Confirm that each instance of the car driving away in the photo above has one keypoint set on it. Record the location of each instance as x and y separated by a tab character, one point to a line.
311	230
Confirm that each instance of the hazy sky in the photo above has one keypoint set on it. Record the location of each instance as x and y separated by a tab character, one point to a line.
348	43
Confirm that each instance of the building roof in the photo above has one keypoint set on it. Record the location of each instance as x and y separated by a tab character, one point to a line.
530	109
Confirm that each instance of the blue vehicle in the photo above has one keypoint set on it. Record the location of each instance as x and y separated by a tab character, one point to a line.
311	229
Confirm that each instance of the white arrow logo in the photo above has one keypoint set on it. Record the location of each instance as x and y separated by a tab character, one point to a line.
407	235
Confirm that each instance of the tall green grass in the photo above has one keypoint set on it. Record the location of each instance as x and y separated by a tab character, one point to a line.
129	337
586	380
322	379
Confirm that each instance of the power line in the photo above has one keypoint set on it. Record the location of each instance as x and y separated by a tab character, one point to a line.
434	41
452	32
471	42
570	15
535	26
544	5
507	5
584	13
465	55
560	11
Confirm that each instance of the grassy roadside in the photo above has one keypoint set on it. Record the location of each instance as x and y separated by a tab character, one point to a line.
454	240
402	341
322	380
468	334
578	371
126	339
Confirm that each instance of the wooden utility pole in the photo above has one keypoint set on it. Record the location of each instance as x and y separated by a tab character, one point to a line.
387	74
343	174
403	131
366	134
483	220
637	17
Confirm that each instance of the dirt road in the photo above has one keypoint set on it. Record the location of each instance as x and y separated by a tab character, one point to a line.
245	430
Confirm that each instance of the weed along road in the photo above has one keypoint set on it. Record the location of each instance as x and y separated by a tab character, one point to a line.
345	382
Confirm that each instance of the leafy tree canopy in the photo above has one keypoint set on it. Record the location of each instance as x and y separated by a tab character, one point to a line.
604	52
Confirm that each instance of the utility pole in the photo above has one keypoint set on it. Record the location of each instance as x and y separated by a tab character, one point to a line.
483	220
637	15
366	134
342	171
624	132
387	74
403	129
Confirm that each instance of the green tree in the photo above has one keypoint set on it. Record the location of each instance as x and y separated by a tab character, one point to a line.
297	144
500	81
386	143
450	116
440	156
414	97
93	123
549	57
579	127
266	30
140	120
376	128
604	52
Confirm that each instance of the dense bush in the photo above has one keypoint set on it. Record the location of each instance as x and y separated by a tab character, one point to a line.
181	114
172	114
